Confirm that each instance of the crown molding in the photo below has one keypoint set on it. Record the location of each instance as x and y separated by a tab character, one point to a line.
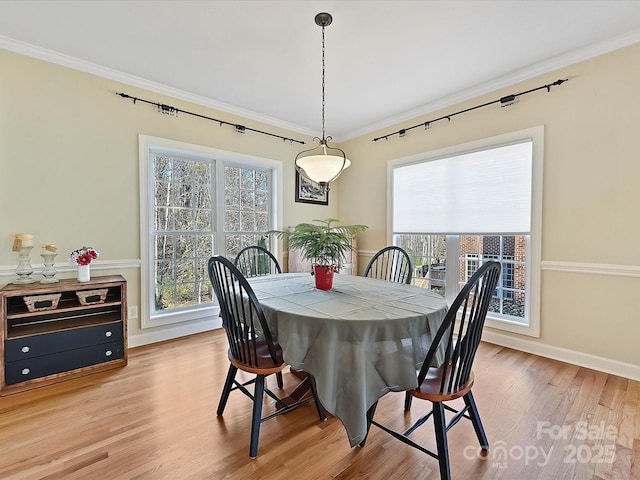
111	74
542	68
558	62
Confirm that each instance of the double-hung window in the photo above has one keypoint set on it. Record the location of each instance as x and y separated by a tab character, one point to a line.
457	208
197	202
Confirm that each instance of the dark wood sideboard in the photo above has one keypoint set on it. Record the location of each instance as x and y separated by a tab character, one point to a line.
54	332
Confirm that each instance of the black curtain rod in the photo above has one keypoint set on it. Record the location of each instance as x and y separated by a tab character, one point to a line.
505	101
169	110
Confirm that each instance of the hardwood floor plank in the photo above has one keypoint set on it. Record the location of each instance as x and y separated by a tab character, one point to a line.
156	420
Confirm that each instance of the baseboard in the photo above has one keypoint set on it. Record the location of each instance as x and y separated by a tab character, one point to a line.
602	364
175	331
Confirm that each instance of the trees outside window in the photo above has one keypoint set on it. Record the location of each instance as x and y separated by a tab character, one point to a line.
196	202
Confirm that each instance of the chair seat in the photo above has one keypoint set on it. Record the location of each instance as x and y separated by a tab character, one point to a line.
263	364
430	387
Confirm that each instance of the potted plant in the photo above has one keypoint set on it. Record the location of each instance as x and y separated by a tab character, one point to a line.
322	243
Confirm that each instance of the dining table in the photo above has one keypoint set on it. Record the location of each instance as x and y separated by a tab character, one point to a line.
359	340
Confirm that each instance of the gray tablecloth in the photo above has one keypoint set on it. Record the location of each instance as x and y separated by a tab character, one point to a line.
360	340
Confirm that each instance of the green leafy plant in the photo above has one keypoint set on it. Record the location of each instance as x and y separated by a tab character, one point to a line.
323	244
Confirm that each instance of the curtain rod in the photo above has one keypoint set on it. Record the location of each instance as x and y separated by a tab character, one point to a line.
504	101
169	110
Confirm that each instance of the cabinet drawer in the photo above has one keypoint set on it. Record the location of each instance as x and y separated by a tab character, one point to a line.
46	344
28	369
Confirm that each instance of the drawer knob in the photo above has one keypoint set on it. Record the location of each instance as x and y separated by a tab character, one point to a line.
108	353
26	371
25	349
108	333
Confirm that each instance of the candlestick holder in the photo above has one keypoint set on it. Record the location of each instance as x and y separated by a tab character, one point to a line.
24	269
49	271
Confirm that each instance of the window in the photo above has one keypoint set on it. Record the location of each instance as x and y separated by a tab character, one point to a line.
469	204
182	230
247	207
197	202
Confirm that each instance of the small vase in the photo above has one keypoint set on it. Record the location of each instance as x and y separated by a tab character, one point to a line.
84	273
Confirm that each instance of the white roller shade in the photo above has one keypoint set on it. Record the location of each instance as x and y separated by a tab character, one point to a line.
487	191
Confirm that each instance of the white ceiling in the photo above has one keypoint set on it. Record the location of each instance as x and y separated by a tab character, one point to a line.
386	61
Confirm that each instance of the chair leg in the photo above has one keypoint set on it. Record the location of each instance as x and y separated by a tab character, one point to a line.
475	419
370	413
258	396
407	401
279	379
440	425
228	384
322	413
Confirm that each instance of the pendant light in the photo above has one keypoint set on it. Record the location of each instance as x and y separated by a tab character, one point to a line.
322	164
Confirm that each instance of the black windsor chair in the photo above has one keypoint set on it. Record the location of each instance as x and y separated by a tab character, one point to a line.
255	260
251	346
453	378
392	264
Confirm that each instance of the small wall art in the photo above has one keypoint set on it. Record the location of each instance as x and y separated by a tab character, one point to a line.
310	192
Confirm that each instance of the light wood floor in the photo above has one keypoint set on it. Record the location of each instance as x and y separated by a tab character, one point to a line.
155	419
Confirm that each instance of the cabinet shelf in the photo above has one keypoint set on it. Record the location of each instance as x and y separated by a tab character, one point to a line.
47	346
63	307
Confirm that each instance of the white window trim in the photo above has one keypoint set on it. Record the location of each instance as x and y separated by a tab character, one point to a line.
146	143
535	258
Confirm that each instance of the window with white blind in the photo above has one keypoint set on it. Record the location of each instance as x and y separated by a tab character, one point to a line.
459	207
197	202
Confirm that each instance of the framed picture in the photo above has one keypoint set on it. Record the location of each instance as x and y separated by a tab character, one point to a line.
310	192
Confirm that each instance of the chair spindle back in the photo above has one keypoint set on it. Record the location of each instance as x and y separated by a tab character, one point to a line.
462	329
242	316
391	263
255	261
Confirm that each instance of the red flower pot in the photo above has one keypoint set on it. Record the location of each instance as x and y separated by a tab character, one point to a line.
324	276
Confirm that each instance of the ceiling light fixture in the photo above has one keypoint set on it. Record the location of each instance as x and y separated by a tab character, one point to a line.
322	164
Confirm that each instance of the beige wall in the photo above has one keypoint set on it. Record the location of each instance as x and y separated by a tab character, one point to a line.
590	201
69	163
69	175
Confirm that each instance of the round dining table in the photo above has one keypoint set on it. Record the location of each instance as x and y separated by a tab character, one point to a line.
360	340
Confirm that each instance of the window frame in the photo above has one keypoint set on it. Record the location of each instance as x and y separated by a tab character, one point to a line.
534	245
146	143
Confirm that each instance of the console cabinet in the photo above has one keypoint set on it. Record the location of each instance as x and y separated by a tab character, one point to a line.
59	331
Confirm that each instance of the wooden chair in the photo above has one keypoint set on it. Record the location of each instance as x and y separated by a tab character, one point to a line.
392	264
255	260
453	378
251	346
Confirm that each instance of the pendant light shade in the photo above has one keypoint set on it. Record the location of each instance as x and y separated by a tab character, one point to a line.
323	163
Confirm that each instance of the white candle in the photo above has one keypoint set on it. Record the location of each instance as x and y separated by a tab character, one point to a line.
26	239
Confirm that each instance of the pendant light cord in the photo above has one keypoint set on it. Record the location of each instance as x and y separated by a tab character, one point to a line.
323	67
